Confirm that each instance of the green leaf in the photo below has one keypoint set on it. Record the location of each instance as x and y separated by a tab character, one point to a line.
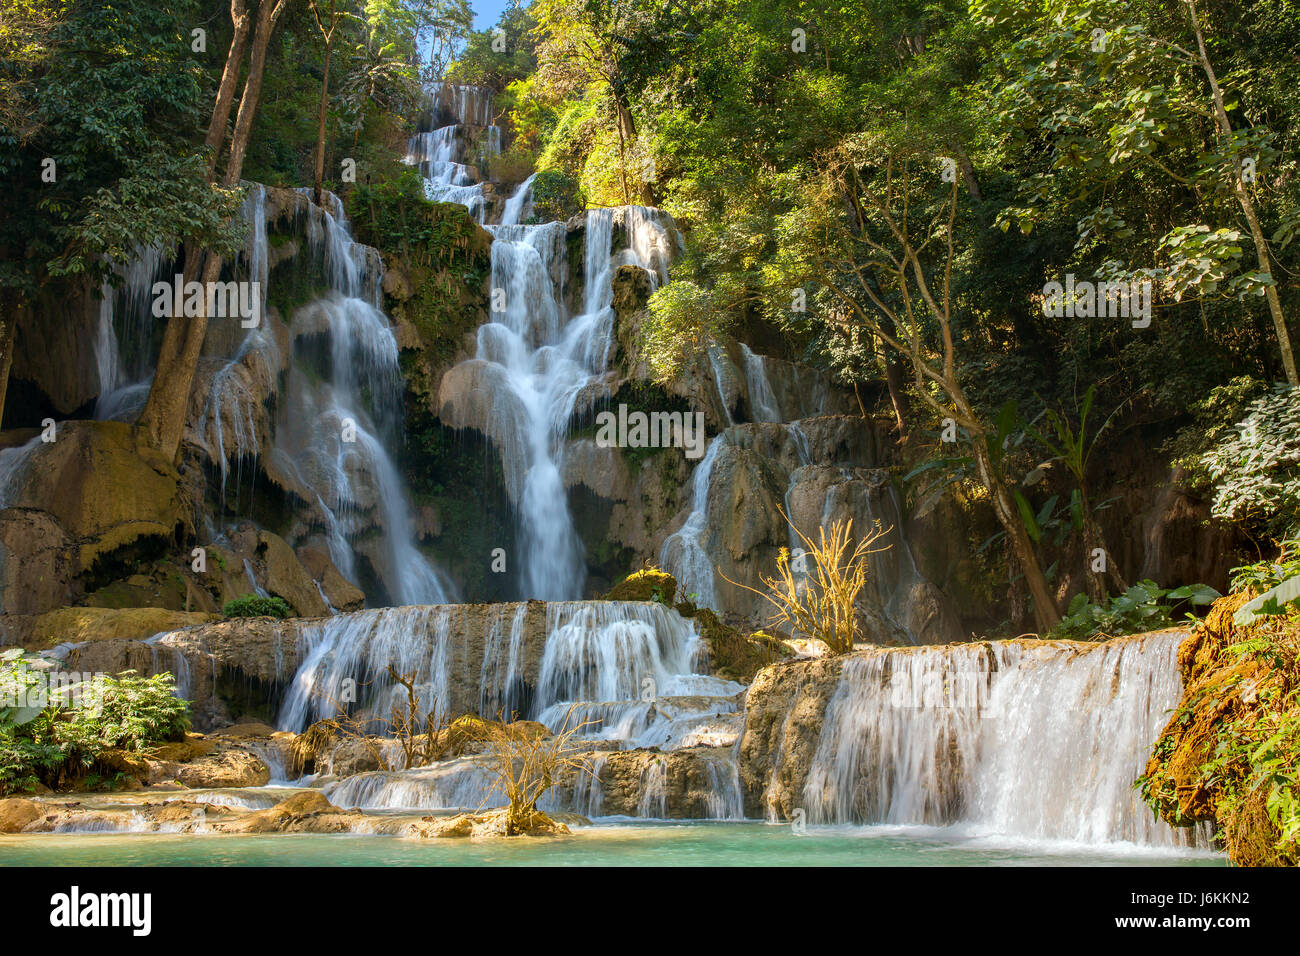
1027	516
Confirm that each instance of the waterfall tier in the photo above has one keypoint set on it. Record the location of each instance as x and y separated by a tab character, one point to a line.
1033	740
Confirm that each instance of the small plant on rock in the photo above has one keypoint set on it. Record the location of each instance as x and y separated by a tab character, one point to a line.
527	762
816	593
254	605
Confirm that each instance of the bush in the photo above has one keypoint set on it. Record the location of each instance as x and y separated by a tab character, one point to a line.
555	196
1256	467
1144	607
254	605
56	737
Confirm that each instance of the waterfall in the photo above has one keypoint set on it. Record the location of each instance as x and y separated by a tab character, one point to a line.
445	178
520	205
621	673
684	553
1023	740
534	360
345	660
762	400
440	152
339	413
336	414
537	360
124	338
538	370
498	689
606	651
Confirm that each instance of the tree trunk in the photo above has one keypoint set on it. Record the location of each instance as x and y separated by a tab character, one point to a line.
895	379
1046	615
163	417
320	124
968	174
266	17
229	79
8	336
1248	207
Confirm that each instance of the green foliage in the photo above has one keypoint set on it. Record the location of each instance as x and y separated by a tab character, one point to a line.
112	94
254	605
1212	417
555	196
1264	575
1143	607
1256	468
683	318
54	734
1257	755
512	57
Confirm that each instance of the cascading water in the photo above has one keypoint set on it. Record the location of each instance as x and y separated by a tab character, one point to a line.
684	553
440	152
122	356
536	360
520	205
762	400
345	660
624	674
336	413
1035	741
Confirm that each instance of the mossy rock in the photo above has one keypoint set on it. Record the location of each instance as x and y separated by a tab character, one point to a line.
77	624
734	655
648	584
1217	693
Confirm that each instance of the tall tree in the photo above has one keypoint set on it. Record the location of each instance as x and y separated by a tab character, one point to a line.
585	42
877	232
1123	91
163	416
328	16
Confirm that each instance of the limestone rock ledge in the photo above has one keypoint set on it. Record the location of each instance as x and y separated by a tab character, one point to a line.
1218	690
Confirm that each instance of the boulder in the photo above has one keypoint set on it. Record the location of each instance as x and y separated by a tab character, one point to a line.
285	576
647	584
341	593
488	824
295	813
16	813
352	756
783	721
230	768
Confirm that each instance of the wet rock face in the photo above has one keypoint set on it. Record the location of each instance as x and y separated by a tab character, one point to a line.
783	722
690	784
242	668
78	499
222	668
36	562
54	359
816	471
